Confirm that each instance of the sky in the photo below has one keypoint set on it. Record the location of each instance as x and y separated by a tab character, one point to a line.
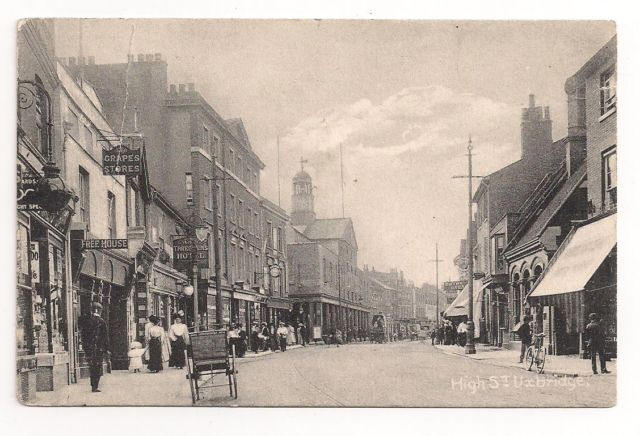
401	98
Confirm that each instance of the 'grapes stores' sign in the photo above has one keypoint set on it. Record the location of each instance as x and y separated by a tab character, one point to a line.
187	250
120	161
104	244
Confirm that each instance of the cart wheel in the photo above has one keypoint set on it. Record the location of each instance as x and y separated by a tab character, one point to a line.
193	392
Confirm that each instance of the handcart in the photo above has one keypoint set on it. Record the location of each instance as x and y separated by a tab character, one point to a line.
210	357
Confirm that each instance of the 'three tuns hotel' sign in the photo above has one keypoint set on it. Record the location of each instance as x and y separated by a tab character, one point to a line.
189	250
104	244
121	161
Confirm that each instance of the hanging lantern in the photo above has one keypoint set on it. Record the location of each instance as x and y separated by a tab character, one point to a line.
53	194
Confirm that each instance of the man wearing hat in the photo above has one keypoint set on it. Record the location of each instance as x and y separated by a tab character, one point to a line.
524	332
96	344
595	343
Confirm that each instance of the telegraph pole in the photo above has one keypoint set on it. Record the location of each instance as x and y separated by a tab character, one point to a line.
470	347
437	261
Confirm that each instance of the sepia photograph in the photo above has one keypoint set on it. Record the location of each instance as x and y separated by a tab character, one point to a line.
316	213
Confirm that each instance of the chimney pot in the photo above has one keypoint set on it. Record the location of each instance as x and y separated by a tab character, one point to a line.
149	58
181	88
140	57
191	87
158	57
532	100
92	60
72	62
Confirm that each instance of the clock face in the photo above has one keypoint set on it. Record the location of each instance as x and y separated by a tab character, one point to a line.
274	271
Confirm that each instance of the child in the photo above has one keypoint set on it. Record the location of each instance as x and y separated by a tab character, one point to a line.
135	356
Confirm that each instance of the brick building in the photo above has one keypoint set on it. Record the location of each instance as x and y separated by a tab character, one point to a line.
181	127
324	278
500	193
581	276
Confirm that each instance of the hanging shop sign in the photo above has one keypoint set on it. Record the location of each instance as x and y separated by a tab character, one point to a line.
189	250
457	286
121	161
104	244
28	191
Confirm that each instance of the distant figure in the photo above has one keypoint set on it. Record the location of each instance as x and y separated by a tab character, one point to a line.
255	340
96	344
241	345
462	334
524	332
595	343
302	327
135	356
282	334
433	336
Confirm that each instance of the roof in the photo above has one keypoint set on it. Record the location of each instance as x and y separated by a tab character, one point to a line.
549	211
331	228
237	128
578	258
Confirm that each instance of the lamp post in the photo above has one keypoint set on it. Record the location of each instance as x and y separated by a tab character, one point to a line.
470	347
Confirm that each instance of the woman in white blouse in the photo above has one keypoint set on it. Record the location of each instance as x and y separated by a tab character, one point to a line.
158	347
179	336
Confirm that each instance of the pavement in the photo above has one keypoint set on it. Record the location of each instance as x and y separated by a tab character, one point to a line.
561	366
399	374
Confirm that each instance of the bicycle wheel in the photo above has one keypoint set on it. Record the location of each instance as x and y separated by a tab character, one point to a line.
540	359
529	359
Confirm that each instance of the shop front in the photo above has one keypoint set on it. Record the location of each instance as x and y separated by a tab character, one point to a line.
580	279
103	276
42	302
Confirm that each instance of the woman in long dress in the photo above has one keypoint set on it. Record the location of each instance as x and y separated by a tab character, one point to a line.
179	337
158	348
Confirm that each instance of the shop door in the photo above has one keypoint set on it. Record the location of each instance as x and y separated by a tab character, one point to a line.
118	335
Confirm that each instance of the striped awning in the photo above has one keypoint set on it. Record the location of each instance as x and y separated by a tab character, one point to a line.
578	258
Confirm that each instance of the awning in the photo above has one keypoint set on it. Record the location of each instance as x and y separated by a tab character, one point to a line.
583	253
278	304
459	306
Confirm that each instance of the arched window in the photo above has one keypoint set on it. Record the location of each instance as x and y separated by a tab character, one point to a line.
516	297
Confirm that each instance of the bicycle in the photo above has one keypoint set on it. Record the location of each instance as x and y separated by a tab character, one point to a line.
536	354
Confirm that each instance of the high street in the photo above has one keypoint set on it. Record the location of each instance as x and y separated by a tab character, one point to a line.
400	374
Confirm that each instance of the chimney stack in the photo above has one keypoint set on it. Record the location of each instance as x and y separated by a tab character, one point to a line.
140	57
92	60
72	62
535	130
149	58
191	87
172	89
181	88
575	153
158	56
130	58
82	60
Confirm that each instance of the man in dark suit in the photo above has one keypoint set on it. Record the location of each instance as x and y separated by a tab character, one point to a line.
524	332
595	343
96	344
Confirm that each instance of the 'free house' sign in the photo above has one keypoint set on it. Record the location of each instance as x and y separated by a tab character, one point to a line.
104	244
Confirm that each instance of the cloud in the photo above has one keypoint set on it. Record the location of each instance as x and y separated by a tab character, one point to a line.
398	158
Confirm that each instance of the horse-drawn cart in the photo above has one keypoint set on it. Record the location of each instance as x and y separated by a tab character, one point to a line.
208	356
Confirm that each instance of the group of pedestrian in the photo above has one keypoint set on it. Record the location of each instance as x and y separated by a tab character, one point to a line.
267	336
444	334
